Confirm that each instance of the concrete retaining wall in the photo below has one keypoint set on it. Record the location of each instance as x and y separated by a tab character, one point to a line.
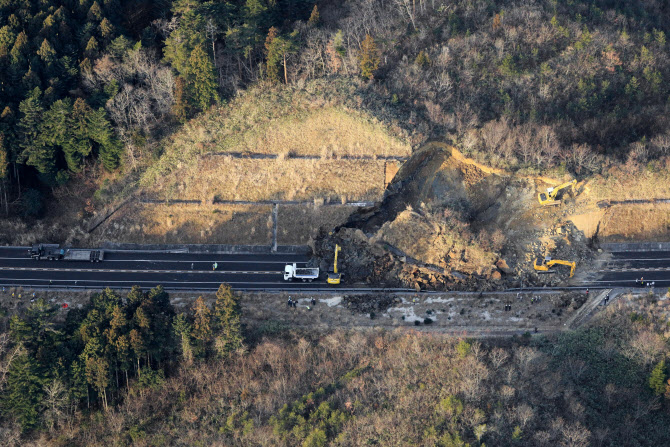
210	248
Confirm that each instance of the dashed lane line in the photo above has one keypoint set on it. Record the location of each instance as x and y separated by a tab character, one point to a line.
79	281
197	272
655	269
179	261
629	281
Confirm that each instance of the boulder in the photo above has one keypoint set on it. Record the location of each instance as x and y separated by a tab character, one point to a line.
503	267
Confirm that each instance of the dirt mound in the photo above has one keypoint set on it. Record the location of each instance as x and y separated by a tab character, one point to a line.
449	222
370	303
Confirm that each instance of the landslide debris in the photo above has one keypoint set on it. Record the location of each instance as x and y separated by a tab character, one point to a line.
447	222
368	304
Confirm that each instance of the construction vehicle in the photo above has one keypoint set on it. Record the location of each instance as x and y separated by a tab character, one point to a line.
547	263
53	252
291	272
551	196
334	277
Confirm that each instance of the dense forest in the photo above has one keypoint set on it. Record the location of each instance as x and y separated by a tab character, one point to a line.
53	367
128	370
81	80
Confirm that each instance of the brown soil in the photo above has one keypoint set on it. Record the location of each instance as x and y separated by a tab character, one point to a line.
297	224
448	222
187	224
229	178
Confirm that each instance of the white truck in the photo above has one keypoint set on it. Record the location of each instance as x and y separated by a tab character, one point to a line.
292	271
54	252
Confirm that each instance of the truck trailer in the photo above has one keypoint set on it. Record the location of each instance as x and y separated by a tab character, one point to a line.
291	272
54	252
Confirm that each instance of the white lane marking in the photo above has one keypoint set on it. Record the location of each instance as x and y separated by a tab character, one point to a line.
630	281
196	272
655	269
151	282
177	261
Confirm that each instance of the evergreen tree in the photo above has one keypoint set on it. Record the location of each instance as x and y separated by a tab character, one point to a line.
182	329
24	393
34	152
100	130
368	57
123	354
181	42
280	49
657	378
138	346
4	159
202	327
273	32
106	29
315	17
202	78
180	107
227	313
47	52
18	51
95	12
91	48
56	131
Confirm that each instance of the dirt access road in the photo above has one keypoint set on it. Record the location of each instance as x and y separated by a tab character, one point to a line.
457	313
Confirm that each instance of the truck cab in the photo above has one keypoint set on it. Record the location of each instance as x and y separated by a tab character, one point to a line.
49	251
288	272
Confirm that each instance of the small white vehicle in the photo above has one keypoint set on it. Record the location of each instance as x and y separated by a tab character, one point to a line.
291	272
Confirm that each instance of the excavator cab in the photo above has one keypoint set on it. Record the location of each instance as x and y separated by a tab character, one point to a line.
335	277
551	196
545	265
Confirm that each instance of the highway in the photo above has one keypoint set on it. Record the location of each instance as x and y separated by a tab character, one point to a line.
192	271
624	268
123	269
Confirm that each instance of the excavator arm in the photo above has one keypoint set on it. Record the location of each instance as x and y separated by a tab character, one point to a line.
548	263
335	277
549	198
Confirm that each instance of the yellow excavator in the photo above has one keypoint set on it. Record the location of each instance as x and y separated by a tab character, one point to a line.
551	196
334	277
545	265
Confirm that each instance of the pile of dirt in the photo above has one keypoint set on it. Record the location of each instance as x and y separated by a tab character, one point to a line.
368	304
447	222
561	241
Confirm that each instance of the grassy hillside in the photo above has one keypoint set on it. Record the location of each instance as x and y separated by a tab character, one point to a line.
314	120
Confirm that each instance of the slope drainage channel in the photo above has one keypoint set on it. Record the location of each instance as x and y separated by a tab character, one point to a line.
609	203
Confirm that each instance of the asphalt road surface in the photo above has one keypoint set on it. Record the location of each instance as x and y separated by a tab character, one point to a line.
627	269
123	269
189	271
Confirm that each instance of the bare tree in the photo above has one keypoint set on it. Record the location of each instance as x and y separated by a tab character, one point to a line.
498	357
407	8
55	404
575	435
8	354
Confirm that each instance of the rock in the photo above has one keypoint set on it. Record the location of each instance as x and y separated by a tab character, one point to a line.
503	267
496	276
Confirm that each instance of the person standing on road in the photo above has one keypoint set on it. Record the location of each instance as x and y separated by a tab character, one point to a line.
215	266
191	266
